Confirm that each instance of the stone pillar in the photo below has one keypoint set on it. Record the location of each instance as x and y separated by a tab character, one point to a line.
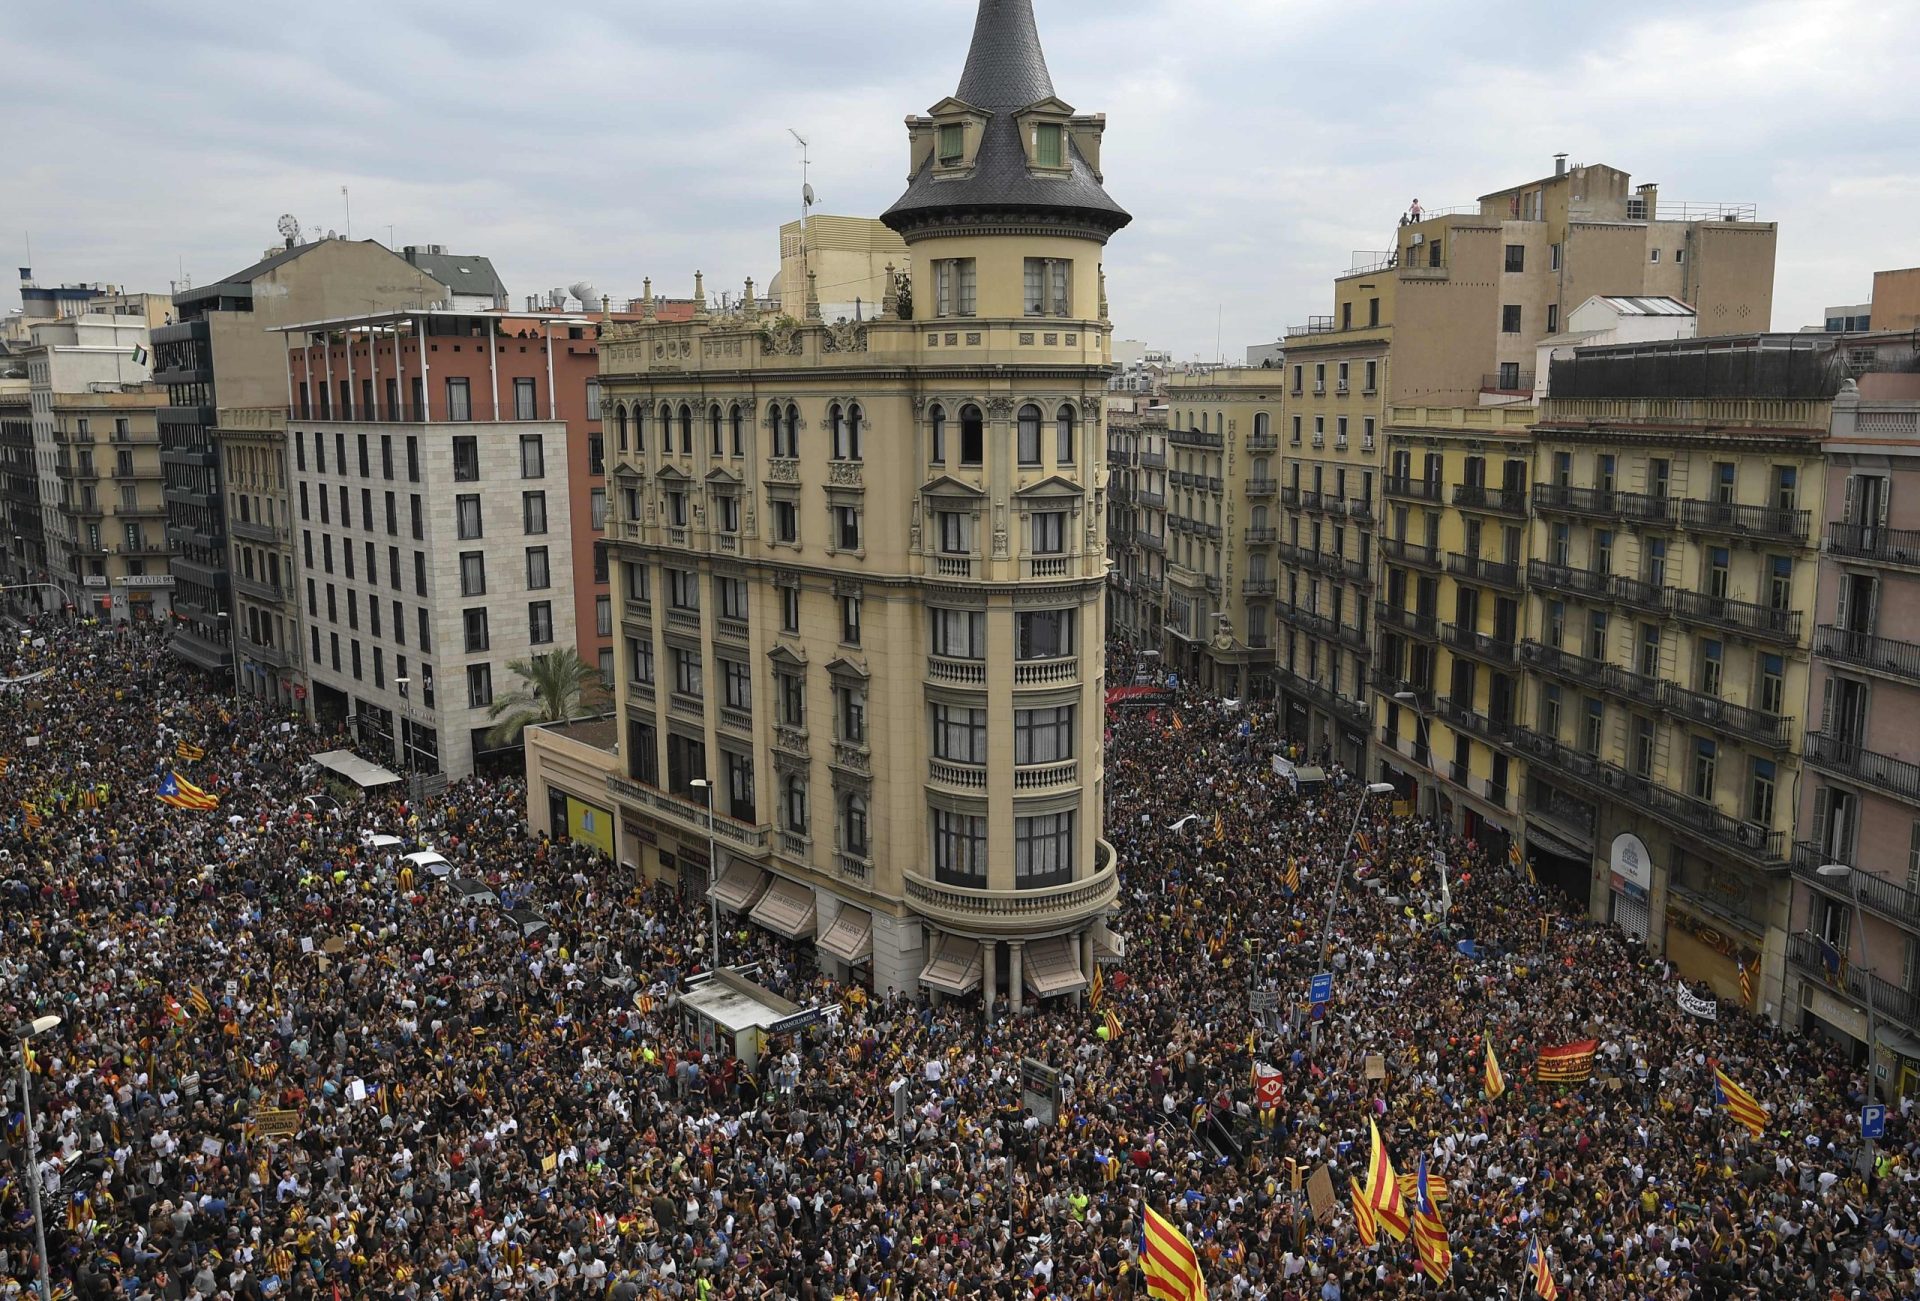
988	977
1083	958
1014	955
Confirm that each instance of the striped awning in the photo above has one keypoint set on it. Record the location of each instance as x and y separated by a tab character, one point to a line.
1049	968
786	907
954	967
850	938
740	886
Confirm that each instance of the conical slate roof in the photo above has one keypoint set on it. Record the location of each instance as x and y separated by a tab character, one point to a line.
1006	71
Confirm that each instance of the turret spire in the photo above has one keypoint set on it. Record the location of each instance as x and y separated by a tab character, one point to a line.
1006	68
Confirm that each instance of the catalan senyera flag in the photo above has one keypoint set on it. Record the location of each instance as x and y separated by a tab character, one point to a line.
1567	1063
1293	876
1539	1274
1383	1189
1112	1021
1097	990
1437	1188
1746	985
1363	1217
183	794
1496	1080
1179	723
1429	1234
1168	1262
188	751
1742	1105
643	1004
197	1000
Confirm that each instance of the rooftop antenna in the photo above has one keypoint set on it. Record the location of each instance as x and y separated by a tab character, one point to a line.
806	196
348	200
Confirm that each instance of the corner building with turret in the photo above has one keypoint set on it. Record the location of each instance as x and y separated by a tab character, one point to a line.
860	569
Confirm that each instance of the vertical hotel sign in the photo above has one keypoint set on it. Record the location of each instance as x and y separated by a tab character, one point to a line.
1632	869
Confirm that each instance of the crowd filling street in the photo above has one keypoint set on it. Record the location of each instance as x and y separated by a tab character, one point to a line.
479	1114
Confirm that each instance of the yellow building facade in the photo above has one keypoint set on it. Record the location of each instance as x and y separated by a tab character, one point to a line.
861	573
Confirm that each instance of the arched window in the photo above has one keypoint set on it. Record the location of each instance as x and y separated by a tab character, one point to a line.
793	430
837	427
854	420
686	429
1257	518
973	435
639	428
1063	429
853	824
1261	425
1027	444
939	417
713	430
793	801
778	437
620	425
737	424
1259	469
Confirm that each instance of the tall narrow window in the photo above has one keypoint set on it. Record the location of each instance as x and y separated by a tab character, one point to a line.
939	419
1063	435
1028	447
1049	146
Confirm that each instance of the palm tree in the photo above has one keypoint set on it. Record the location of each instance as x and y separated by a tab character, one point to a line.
554	688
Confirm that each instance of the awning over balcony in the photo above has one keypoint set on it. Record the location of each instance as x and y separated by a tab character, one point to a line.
850	938
740	886
955	966
1050	968
786	907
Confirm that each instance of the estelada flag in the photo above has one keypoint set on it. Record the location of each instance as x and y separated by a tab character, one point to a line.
197	999
189	752
1496	1081
1168	1262
183	794
1429	1234
1743	1106
1538	1272
1383	1188
1568	1063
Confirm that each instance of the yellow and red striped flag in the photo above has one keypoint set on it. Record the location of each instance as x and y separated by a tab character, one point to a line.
1293	876
1112	1023
197	1000
1567	1063
183	794
1383	1189
1363	1217
1429	1234
1496	1080
1539	1273
188	751
1746	985
1743	1106
1097	990
1168	1262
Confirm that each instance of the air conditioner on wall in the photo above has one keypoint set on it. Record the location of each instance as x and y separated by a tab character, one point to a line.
1419	237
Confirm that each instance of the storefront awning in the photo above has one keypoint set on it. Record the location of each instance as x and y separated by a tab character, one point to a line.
850	938
1049	967
1553	844
740	886
1898	1040
955	966
786	907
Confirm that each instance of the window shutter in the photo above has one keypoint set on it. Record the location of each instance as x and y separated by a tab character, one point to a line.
1852	515
1826	706
1843	604
1873	604
1822	799
1885	497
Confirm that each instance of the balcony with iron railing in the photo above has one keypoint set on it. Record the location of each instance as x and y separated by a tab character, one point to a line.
1743	617
1423	626
1565	578
1402	552
1515	382
1479	569
691	817
1562	664
1771	730
1360	510
1780	523
1761	847
1626	683
1261	536
1463	717
1568	500
1889	899
1151	500
1500	652
1016	911
1392	686
1849	758
1427	490
1258	489
1499	501
1151	541
1640	594
1874	542
1252	587
1900	1005
1863	650
1153	460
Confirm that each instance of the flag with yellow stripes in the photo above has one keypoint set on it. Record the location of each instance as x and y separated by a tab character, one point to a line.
1168	1262
1742	1105
189	751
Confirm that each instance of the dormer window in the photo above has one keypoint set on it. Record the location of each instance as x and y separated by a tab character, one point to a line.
953	143
1049	145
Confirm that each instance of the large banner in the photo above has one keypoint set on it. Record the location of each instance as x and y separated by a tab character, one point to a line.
1694	1005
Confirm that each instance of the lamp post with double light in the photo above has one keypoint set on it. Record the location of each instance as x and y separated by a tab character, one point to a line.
31	1030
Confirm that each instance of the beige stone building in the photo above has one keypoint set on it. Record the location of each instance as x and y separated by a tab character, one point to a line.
862	572
107	459
1136	518
844	263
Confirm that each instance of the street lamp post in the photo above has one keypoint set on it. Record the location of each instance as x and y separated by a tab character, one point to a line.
232	638
38	1026
705	787
401	684
1422	737
1837	872
1340	867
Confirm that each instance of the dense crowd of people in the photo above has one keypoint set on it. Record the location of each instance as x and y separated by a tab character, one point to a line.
288	1066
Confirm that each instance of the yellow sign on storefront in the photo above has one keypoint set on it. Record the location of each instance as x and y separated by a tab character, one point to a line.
590	825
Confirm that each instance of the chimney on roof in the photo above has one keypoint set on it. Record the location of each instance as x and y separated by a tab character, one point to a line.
1559	164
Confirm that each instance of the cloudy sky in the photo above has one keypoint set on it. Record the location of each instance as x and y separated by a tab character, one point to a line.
1257	142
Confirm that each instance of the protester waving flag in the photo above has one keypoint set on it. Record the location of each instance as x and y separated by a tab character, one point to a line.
1429	1234
188	751
1383	1188
1742	1105
183	794
1496	1080
1365	1221
1538	1272
1168	1262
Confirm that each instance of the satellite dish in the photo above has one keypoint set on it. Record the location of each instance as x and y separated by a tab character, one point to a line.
806	194
289	228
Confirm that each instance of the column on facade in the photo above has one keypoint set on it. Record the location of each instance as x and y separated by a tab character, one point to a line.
1014	962
989	951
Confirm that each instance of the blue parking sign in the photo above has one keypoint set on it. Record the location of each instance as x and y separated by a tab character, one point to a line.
1322	988
1873	1122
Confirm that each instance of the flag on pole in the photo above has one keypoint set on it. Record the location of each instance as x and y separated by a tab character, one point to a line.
1496	1081
1293	876
1112	1024
1097	990
183	794
1429	1234
1179	723
1746	985
1383	1189
1538	1272
1743	1106
191	753
1168	1262
1363	1216
1568	1063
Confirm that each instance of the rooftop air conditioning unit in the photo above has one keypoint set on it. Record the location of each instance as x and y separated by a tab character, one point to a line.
1419	237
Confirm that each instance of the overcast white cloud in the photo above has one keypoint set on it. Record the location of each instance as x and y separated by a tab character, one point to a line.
1257	142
